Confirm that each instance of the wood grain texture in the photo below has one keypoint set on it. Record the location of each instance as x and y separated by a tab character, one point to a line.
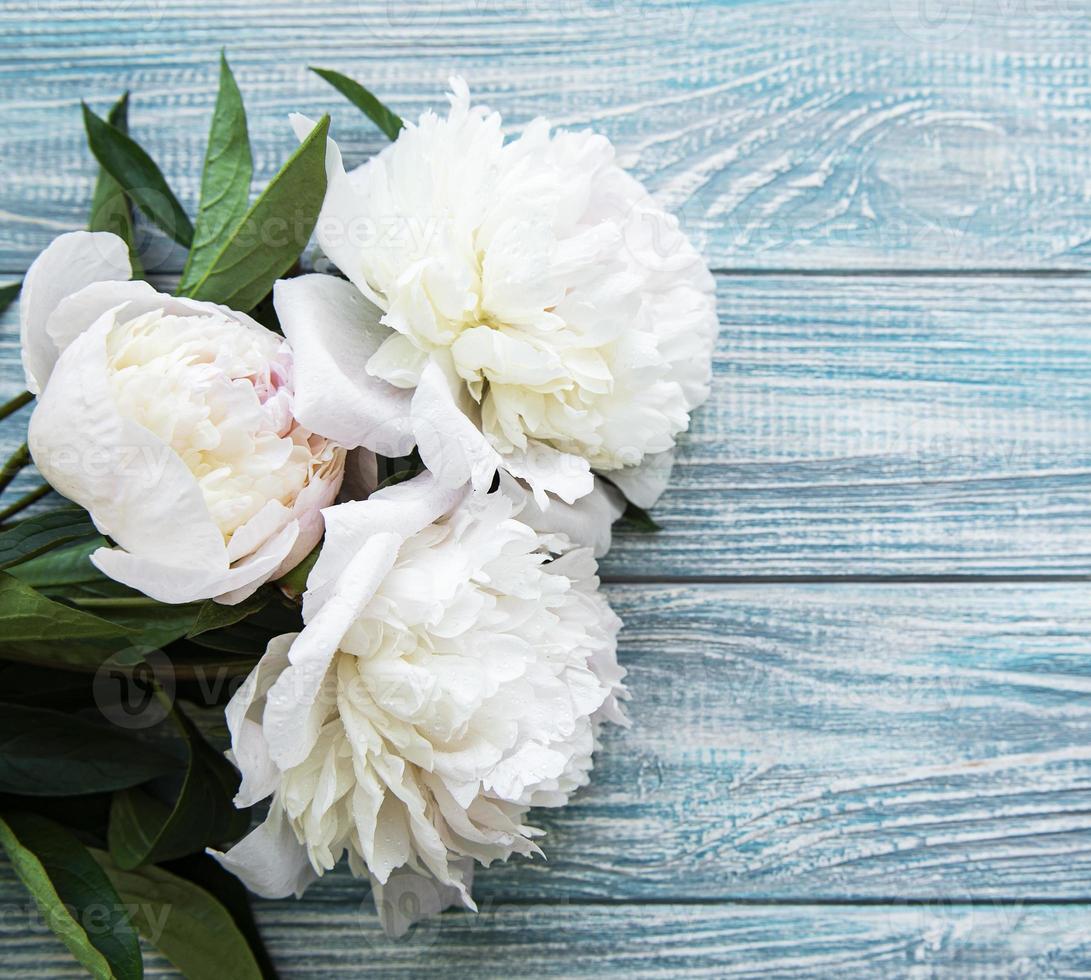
785	133
311	938
887	742
869	426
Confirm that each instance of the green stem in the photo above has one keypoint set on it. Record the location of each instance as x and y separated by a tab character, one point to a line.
17	460
120	602
24	502
12	406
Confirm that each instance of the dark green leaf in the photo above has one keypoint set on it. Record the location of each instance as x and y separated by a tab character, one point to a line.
74	895
43	532
225	185
27	615
215	615
8	295
139	176
110	208
52	753
638	519
389	122
274	231
144	829
184	922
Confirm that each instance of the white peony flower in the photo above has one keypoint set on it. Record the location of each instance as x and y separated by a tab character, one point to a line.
524	306
171	422
452	673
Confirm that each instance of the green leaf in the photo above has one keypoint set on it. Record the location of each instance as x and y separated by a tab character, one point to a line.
207	874
43	532
70	565
53	753
110	208
274	232
8	295
184	922
27	615
638	519
225	185
144	829
138	175
73	894
389	122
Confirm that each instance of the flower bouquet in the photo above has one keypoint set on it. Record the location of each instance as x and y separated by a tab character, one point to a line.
325	585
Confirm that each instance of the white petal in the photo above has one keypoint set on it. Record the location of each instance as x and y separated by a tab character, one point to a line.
343	217
333	331
294	706
450	445
548	470
586	523
249	751
70	262
408	896
139	491
269	860
644	484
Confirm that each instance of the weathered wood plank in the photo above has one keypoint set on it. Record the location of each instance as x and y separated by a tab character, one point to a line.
871	425
820	742
312	938
786	134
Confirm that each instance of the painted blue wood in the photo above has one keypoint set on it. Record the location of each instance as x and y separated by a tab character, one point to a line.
785	133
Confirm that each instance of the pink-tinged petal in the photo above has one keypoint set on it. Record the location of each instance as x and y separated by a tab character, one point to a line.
70	263
295	707
644	484
450	444
269	860
334	331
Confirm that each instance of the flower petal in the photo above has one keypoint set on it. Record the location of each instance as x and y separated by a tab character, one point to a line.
269	860
644	484
334	331
585	523
70	263
450	444
408	896
294	706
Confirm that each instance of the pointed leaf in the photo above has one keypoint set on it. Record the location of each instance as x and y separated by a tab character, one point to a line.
74	895
43	532
274	232
110	208
144	830
389	122
8	295
139	176
225	185
52	753
184	922
28	615
638	519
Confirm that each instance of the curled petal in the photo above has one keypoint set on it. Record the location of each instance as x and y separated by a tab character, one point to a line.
70	263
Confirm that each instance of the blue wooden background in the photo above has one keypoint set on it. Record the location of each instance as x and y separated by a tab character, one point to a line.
860	649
